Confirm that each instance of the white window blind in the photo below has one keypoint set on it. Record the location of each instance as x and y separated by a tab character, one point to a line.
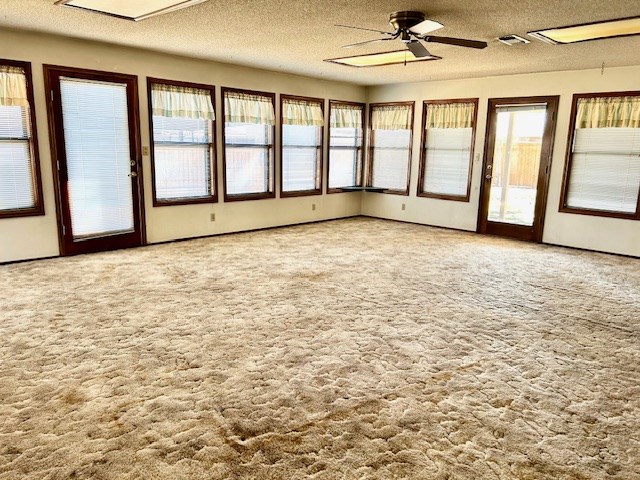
96	135
248	137
447	157
301	150
17	190
605	169
345	145
16	167
182	143
391	150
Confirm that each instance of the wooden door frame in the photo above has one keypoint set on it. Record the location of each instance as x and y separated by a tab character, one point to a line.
52	74
532	234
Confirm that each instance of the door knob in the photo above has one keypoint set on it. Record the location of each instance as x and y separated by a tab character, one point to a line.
488	177
134	174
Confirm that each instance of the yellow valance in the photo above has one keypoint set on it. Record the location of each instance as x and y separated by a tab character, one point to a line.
181	102
13	87
391	117
450	115
248	108
608	112
302	112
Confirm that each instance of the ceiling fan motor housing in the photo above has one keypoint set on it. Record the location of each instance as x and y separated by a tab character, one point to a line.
403	21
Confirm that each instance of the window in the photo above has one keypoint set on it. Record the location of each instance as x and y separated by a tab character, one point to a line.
345	145
390	146
249	123
447	149
301	155
602	175
183	152
20	185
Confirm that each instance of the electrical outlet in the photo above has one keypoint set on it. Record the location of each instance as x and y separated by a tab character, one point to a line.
313	206
212	217
145	151
404	206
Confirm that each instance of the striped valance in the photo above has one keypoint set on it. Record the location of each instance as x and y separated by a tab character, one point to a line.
181	102
608	112
302	112
391	117
346	116
13	87
248	108
450	115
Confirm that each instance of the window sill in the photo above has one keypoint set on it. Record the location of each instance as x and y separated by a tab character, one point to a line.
241	197
438	196
32	212
404	193
600	213
300	193
184	201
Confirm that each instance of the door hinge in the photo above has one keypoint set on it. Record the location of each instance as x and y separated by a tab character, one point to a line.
51	96
64	230
58	164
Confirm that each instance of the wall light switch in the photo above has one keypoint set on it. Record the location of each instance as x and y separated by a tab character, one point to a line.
212	217
404	206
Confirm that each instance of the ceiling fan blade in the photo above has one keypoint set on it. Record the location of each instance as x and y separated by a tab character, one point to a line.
367	42
461	42
425	27
418	50
367	29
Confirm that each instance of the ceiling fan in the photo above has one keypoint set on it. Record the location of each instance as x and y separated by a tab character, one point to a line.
410	28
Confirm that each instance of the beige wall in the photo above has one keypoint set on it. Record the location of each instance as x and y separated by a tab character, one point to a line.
34	237
595	233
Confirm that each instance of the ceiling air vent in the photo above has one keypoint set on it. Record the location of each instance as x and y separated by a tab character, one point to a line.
512	40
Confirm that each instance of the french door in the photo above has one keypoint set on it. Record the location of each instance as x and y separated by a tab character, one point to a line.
93	120
517	162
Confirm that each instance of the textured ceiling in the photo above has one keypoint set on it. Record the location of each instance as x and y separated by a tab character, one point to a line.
295	36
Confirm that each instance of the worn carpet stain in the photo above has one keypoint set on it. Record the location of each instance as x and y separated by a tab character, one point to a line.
351	349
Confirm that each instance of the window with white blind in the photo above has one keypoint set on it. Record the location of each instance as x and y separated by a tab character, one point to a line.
182	125
20	192
390	146
603	172
345	145
302	121
445	165
248	133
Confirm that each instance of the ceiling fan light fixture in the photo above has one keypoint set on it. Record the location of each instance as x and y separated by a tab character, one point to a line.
591	31
130	10
380	59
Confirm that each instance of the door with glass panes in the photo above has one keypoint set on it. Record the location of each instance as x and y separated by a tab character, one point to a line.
93	118
516	168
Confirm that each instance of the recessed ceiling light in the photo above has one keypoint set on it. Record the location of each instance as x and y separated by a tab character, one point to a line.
129	9
590	31
379	59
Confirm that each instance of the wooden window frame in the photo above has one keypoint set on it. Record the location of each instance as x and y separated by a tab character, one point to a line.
319	153
371	147
362	149
566	176
38	208
272	149
212	145
423	157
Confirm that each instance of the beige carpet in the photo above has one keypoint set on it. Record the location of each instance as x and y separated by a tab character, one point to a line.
352	349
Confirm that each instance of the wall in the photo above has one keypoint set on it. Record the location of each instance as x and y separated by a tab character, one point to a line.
35	237
588	232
